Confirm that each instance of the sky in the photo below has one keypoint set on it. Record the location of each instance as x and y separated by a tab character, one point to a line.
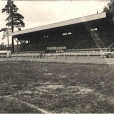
39	12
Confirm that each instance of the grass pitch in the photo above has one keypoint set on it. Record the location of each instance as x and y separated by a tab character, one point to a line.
56	87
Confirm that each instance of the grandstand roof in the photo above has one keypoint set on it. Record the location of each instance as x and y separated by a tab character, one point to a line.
76	24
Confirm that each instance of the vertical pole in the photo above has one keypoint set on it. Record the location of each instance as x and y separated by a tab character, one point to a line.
47	41
90	41
76	56
88	56
101	56
12	44
37	45
59	43
7	38
55	56
64	56
109	34
17	45
74	41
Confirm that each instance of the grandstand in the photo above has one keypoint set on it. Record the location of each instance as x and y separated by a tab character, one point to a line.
89	33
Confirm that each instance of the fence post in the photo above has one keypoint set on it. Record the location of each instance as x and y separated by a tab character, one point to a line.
64	56
55	56
76	56
88	56
101	56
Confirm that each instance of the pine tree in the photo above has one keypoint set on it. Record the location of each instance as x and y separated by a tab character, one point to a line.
14	19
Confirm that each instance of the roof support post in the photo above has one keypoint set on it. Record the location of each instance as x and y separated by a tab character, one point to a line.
47	41
17	44
37	45
73	40
12	44
20	45
60	41
109	33
89	38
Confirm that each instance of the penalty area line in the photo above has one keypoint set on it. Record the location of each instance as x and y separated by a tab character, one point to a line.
28	104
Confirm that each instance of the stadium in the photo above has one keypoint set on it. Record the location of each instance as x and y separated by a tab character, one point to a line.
89	32
60	68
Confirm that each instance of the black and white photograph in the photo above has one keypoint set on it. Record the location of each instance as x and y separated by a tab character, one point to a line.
57	56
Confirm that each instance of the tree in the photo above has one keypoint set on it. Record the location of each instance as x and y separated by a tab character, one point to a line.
14	19
109	8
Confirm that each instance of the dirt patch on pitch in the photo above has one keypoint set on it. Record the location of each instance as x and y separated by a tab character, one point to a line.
79	90
48	74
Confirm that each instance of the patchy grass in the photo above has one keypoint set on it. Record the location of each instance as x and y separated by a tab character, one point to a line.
58	87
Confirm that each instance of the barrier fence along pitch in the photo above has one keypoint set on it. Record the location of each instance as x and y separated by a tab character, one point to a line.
56	56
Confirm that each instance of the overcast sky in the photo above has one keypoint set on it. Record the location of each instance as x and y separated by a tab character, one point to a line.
37	13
